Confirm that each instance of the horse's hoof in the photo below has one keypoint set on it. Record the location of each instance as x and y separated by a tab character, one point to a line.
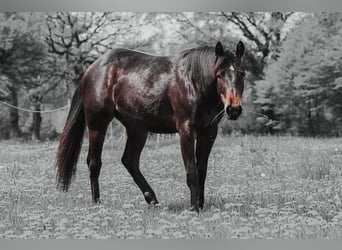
194	209
97	201
150	199
154	202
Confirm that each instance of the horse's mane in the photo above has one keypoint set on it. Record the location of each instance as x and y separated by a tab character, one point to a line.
197	65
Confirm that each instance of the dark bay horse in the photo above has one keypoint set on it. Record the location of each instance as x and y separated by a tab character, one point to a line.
187	93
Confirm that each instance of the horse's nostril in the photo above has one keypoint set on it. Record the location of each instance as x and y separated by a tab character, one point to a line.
233	112
229	110
239	110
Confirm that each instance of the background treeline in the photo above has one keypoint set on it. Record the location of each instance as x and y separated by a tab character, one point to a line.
294	62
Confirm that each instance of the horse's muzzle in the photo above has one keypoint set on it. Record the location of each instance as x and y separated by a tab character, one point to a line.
233	112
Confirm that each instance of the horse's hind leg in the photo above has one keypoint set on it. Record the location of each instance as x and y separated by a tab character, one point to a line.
131	158
96	139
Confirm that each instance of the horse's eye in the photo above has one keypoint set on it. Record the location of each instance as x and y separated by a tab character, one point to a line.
219	76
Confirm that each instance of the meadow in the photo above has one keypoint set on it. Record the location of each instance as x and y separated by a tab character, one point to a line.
257	188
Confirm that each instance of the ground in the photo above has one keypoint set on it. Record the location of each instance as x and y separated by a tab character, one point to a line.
257	187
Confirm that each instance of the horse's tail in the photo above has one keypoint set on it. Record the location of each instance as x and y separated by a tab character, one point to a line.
70	142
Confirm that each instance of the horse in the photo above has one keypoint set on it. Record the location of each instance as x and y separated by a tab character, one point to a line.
187	93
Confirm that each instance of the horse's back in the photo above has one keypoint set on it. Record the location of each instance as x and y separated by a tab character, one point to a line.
131	59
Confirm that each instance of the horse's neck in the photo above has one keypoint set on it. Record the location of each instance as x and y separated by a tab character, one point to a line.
210	100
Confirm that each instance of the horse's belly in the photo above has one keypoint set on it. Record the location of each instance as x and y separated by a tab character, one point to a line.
156	123
161	126
153	118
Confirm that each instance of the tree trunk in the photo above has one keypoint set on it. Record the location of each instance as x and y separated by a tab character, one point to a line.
14	116
37	117
310	118
36	123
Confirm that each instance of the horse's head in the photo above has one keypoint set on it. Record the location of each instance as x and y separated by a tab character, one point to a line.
230	72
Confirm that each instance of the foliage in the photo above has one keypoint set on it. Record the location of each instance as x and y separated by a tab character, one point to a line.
80	38
301	86
22	53
22	58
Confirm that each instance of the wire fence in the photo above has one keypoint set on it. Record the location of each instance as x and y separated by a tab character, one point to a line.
35	111
53	147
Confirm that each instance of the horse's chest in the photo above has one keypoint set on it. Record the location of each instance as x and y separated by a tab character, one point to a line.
208	115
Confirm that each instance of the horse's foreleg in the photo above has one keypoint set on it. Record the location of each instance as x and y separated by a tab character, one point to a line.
187	141
96	139
204	143
131	158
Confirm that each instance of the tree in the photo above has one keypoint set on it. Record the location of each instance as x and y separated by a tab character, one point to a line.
79	38
21	58
306	75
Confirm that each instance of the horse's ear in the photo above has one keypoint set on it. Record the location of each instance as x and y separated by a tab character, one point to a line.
240	48
219	49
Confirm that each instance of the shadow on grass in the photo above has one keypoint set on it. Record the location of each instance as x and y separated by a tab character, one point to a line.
184	204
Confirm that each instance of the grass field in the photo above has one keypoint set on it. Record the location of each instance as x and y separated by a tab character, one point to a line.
257	187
